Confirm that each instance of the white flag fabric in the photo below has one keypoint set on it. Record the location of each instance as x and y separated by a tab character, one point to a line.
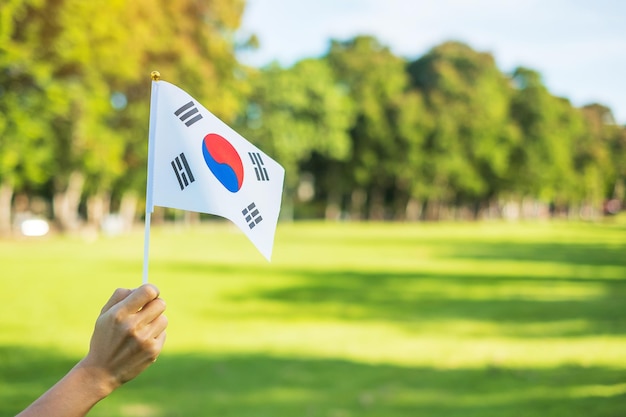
198	163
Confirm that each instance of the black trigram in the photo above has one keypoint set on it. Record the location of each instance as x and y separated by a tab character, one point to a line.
252	215
182	171
259	169
186	111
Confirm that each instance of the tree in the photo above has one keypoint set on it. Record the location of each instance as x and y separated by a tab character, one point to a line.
602	154
78	64
413	124
24	116
294	113
469	146
193	45
542	164
376	81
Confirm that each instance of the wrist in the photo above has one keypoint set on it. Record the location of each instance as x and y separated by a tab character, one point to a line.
96	380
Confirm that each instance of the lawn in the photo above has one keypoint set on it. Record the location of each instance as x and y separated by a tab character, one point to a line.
367	320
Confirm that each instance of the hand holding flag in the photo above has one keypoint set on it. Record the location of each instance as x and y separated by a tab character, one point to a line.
198	163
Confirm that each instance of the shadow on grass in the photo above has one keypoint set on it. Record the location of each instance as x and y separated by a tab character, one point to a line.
582	295
574	253
269	386
418	297
586	306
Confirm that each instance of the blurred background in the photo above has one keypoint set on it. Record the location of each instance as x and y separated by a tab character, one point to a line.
455	169
379	110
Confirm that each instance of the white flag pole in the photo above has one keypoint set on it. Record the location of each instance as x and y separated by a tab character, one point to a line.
149	183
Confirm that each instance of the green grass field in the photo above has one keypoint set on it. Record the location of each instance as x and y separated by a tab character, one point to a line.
367	320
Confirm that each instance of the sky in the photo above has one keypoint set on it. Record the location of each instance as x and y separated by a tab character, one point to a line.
578	46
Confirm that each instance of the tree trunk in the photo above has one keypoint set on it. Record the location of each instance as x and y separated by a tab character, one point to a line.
376	205
357	202
6	196
619	191
66	202
287	206
398	205
128	209
333	205
98	207
433	210
413	210
191	218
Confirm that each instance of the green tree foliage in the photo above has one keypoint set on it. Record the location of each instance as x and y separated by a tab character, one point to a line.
24	149
470	144
377	82
375	135
294	113
543	164
601	155
413	124
83	67
193	45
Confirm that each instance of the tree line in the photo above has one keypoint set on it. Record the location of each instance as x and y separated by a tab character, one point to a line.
361	132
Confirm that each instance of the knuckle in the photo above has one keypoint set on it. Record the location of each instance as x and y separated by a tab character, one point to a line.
118	316
120	292
151	291
150	348
131	332
162	303
159	324
144	344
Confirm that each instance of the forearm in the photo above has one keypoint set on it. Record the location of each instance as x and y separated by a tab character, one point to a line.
128	337
74	395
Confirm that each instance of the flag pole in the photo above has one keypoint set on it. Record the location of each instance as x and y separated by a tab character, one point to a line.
156	76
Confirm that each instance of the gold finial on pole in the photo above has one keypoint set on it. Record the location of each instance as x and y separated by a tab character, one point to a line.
155	75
